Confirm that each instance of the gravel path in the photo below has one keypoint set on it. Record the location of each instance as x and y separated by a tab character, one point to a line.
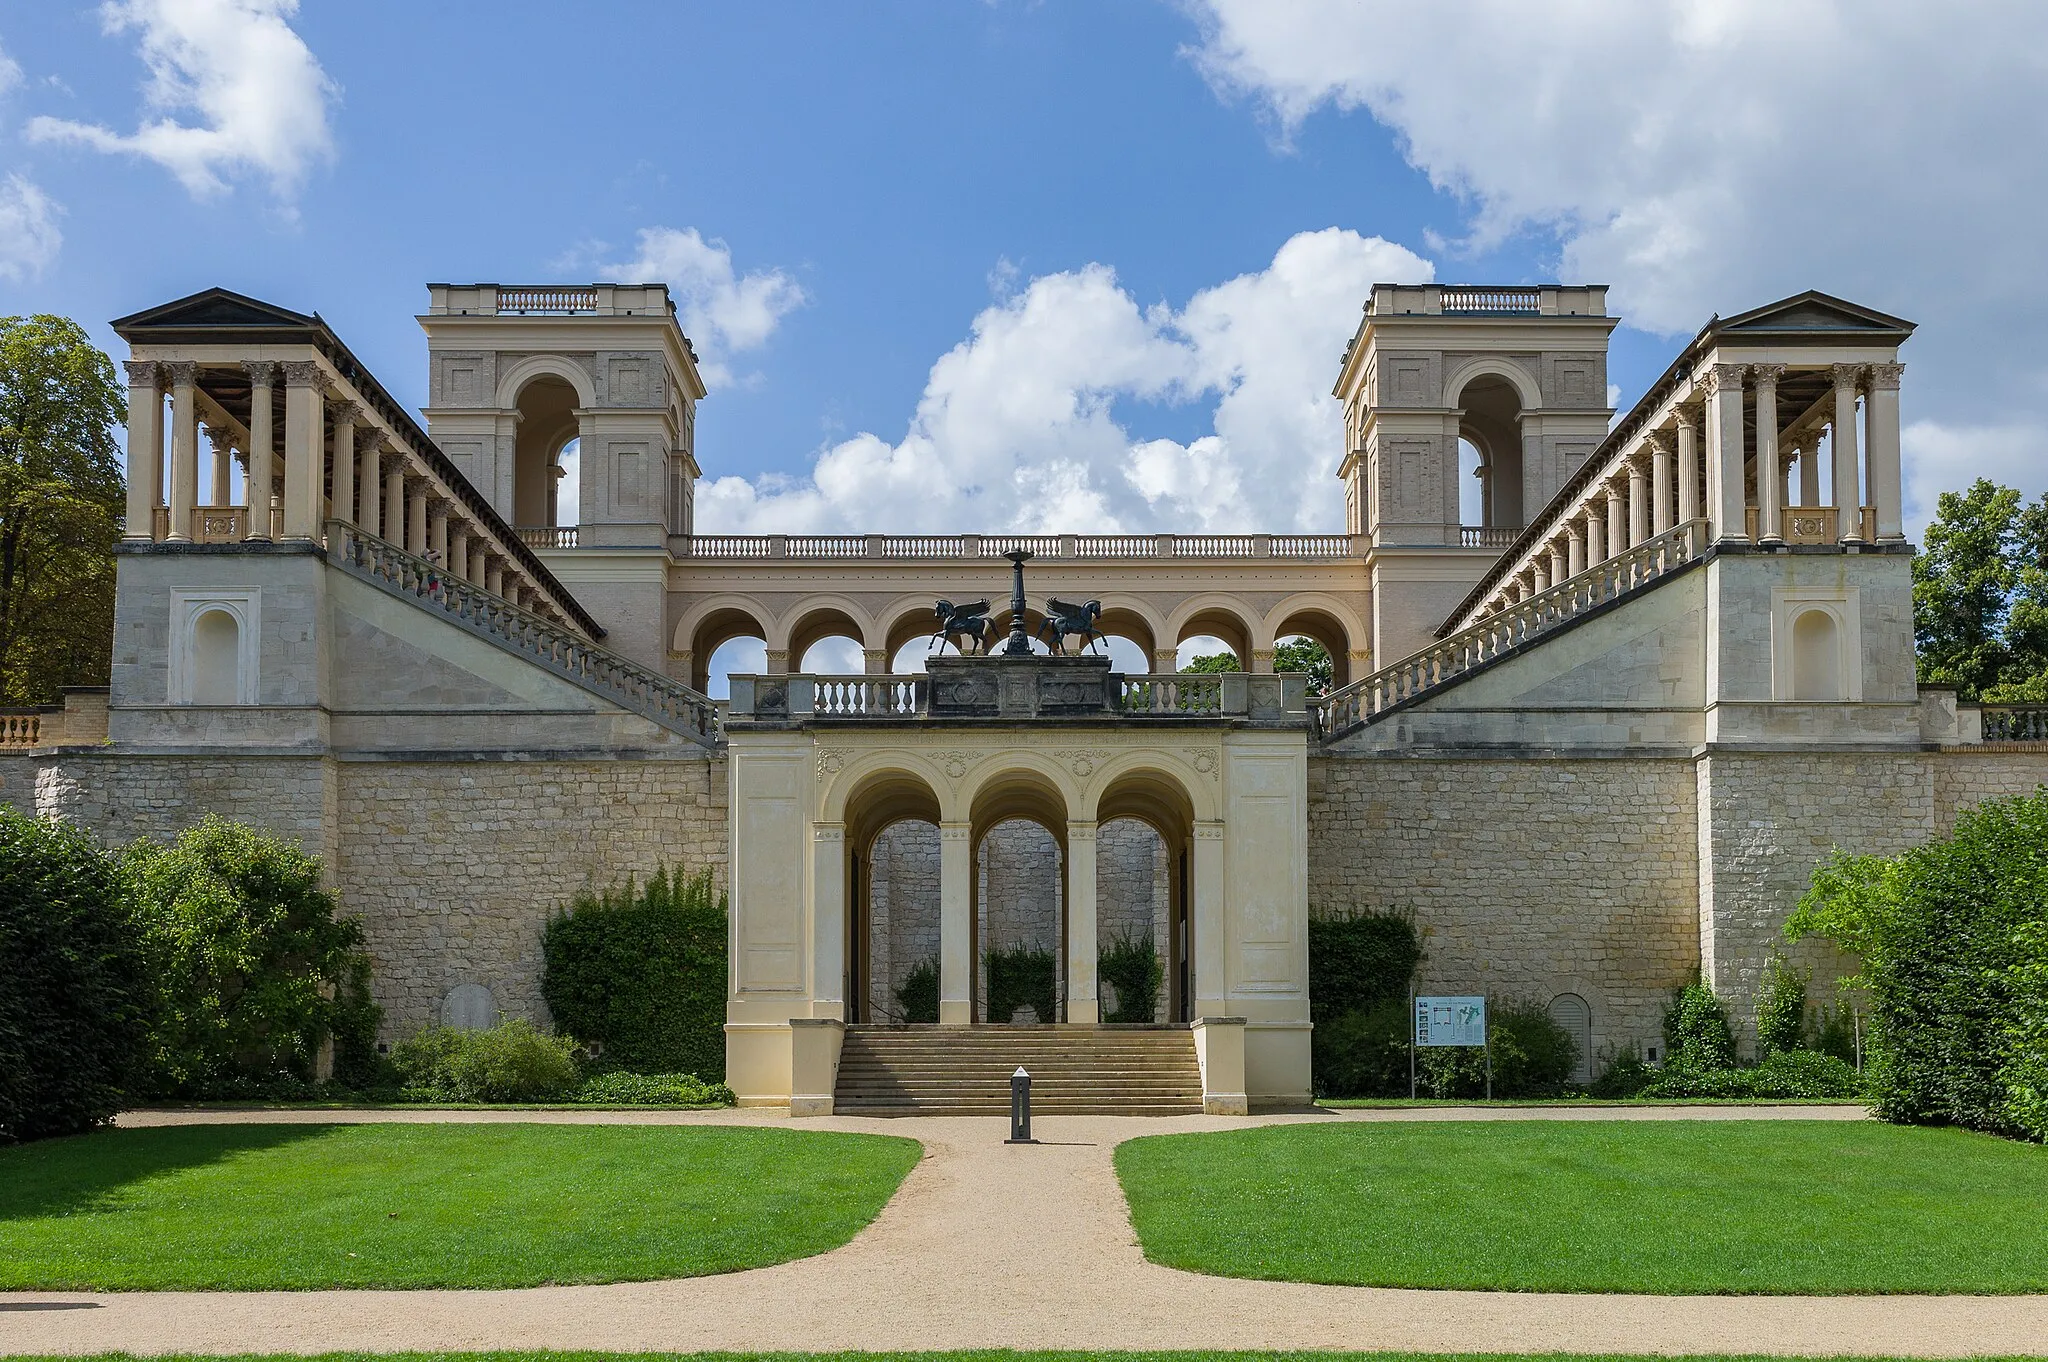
995	1246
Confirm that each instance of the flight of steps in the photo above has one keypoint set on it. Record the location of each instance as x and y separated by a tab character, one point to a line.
965	1071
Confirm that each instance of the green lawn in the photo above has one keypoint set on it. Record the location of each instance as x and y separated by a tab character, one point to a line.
1721	1207
252	1207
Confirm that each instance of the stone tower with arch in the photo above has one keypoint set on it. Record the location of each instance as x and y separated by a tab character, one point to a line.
1501	386
526	382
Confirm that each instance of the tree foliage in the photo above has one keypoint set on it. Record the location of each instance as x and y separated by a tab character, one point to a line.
253	972
1980	596
72	997
61	504
1307	655
1210	663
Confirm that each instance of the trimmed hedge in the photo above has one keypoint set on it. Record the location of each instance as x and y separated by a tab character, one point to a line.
72	983
1953	937
511	1062
642	972
1360	964
681	1090
252	971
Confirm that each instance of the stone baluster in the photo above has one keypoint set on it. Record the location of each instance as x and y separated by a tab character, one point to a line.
1688	468
1617	519
1727	503
145	448
1768	479
346	415
262	476
1881	413
1638	503
1848	496
1661	506
184	376
304	452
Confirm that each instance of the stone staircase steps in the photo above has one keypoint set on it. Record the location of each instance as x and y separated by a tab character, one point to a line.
965	1071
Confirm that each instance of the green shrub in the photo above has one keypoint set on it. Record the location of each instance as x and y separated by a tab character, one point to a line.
1359	958
919	996
642	972
1532	1056
1131	965
1019	976
1623	1075
511	1062
1787	1075
253	973
1834	1032
1696	1031
1780	1009
1363	1053
1953	938
73	994
648	1090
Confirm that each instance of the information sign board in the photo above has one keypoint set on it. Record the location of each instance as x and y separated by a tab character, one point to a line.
1450	1021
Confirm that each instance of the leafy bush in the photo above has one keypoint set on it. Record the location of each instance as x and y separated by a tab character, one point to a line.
1696	1030
1623	1075
919	996
1021	976
1834	1032
647	1090
1363	1053
1532	1056
1132	967
72	987
253	973
1357	959
1787	1075
642	972
1780	1009
1953	937
511	1062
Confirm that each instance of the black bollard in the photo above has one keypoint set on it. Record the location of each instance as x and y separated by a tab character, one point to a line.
1020	1108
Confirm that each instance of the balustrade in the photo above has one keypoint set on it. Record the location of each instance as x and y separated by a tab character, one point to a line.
1509	302
20	728
548	536
868	697
2015	723
1171	693
1071	547
1365	700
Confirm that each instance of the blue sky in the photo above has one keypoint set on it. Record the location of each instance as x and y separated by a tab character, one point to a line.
1069	264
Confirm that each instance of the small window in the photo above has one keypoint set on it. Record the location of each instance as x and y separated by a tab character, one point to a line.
216	659
1570	1011
1816	657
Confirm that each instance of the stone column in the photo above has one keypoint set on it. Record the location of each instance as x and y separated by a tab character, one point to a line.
1596	530
777	662
1084	1001
394	503
1560	562
1575	548
145	448
479	563
1540	577
1661	518
1809	468
1881	412
1848	499
1210	925
262	446
1768	479
344	496
1165	660
828	920
1261	661
1727	504
458	550
494	575
1617	520
416	517
184	448
1688	469
219	479
369	467
304	458
1638	503
956	923
875	661
437	531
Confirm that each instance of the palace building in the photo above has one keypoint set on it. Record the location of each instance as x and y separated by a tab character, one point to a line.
1595	742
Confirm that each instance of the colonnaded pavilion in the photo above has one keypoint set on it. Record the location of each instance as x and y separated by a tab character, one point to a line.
1595	741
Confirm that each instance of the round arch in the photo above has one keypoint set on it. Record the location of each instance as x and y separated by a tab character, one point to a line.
709	624
869	804
1492	366
823	617
1190	801
1325	619
1143	789
868	772
1219	616
515	378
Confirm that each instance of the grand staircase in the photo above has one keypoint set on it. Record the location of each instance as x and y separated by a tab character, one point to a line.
965	1071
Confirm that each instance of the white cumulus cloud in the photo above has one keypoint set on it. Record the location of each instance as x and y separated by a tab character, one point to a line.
29	238
259	97
1711	157
1019	427
721	310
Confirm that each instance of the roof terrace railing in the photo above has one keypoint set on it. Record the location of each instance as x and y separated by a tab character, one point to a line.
1498	301
1076	547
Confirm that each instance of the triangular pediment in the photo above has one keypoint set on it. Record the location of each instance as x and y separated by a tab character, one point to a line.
214	308
1815	311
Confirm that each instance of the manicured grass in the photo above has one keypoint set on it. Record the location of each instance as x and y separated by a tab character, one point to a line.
1719	1207
252	1207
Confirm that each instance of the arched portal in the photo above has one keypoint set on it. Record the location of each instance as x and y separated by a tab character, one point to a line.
1158	801
1134	920
722	641
1491	425
1019	841
547	426
892	879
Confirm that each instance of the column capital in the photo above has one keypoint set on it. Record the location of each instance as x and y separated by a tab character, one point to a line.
1847	375
1657	441
142	373
346	411
1767	375
1886	376
1719	378
301	373
262	372
1078	831
181	371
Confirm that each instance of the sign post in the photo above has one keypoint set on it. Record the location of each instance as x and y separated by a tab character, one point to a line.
1441	1022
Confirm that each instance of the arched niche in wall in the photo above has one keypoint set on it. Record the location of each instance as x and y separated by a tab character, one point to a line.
214	647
